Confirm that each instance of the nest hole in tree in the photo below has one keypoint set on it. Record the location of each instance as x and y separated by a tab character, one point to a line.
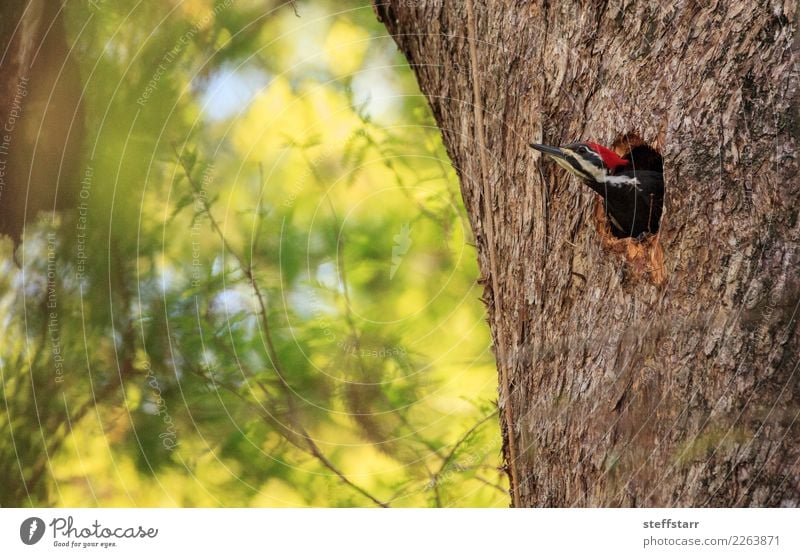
643	255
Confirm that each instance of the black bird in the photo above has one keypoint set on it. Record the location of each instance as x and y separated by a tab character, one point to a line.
632	187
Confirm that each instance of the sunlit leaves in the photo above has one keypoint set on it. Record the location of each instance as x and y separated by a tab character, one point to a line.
281	302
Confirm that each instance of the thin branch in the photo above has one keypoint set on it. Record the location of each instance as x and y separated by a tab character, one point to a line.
460	442
300	438
288	392
491	484
342	268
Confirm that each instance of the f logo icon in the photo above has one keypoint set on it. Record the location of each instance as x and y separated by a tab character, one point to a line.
31	530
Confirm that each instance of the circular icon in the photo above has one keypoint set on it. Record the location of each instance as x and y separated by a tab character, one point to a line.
31	530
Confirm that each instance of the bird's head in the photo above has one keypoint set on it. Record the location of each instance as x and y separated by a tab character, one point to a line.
588	161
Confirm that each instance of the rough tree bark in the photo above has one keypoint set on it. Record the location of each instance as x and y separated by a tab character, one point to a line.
616	390
41	126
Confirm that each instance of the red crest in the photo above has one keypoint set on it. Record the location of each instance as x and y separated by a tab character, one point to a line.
610	158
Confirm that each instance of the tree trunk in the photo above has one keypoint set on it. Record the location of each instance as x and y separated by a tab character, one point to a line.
622	382
41	114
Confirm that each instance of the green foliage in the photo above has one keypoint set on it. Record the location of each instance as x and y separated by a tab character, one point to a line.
279	305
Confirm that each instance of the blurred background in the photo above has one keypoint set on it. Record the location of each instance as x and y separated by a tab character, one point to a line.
259	285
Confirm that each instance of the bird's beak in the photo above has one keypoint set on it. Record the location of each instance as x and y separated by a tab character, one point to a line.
554	152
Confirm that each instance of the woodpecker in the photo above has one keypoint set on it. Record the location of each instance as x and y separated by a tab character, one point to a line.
631	186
